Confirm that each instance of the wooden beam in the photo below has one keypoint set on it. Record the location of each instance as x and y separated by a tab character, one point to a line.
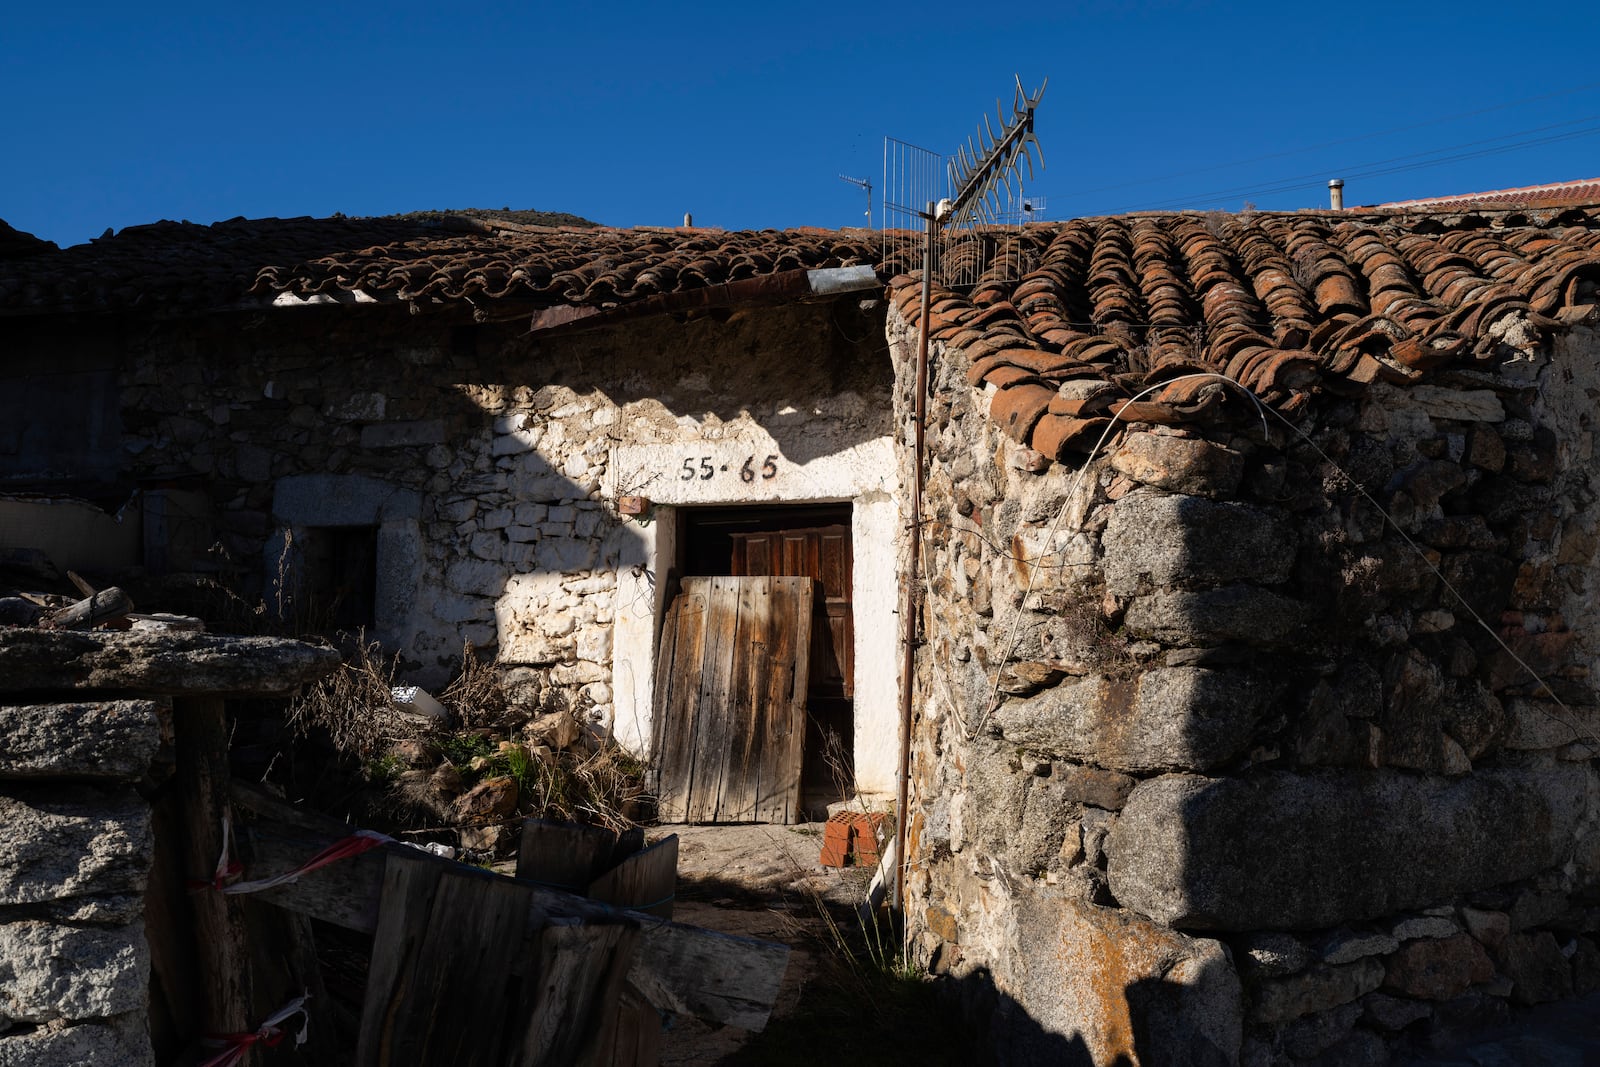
221	934
96	607
681	969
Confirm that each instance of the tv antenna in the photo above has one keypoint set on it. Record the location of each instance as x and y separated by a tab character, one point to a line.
865	183
974	179
979	170
963	203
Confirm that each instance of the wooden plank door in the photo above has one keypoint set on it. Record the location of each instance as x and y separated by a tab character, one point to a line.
822	553
731	681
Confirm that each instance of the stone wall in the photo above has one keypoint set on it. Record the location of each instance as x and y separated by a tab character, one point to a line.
74	963
1211	766
87	746
486	462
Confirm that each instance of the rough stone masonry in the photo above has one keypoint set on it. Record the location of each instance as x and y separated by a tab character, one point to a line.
77	766
1217	764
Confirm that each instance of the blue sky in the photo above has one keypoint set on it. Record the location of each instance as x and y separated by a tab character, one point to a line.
632	114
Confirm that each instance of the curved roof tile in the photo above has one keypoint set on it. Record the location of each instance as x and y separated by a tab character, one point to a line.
184	266
1288	305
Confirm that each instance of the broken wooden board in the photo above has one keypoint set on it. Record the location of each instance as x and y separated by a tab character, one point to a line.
574	991
452	981
568	856
681	969
731	684
634	1037
645	881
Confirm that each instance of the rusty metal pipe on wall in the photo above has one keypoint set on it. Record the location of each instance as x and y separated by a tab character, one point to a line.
908	619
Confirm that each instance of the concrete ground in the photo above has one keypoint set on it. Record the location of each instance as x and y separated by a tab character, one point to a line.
760	881
766	862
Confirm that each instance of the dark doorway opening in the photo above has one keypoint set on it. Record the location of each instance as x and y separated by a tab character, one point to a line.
339	587
800	541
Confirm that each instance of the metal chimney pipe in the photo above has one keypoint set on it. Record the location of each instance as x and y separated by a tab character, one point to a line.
688	220
1336	193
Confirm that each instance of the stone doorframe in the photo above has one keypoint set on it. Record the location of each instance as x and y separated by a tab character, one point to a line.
306	501
864	476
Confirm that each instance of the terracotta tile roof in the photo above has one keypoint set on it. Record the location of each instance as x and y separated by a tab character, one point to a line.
184	266
1289	305
15	244
1583	192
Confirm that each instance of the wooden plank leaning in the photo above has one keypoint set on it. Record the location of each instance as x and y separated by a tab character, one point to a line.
680	969
463	975
643	881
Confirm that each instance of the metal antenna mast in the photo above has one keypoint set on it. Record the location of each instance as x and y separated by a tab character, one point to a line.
865	183
976	178
977	172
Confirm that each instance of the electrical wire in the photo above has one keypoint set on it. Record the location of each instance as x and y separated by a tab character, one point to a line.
1581	733
1374	168
1341	141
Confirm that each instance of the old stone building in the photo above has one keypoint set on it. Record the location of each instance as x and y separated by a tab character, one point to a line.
428	429
1266	734
1251	719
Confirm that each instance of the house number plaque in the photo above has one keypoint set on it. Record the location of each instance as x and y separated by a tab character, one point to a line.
705	468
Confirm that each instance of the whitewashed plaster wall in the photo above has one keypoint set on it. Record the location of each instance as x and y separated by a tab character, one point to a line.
529	537
676	474
487	460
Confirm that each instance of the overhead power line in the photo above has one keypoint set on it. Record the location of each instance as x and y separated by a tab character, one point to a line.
1392	165
1342	141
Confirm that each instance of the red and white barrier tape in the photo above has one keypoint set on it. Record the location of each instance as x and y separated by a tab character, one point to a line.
227	868
269	1033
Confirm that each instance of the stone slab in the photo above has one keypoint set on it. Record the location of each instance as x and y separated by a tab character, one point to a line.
50	972
120	1042
169	663
99	739
1122	986
1244	613
342	500
72	841
1292	851
1179	464
1319	989
1168	718
1154	540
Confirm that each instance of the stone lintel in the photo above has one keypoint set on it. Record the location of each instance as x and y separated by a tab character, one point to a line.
166	663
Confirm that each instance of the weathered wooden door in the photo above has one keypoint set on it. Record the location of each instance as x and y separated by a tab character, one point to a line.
731	680
822	553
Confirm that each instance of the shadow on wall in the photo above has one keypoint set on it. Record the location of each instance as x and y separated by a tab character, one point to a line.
1156	1031
474	460
1009	1036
